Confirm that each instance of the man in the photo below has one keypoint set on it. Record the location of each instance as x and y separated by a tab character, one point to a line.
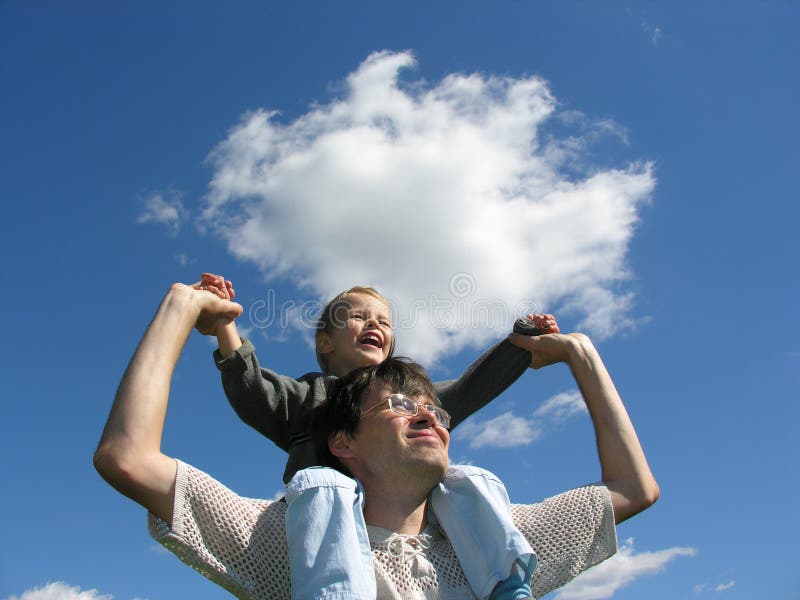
398	459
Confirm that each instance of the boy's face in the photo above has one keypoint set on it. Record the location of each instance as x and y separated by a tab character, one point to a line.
360	335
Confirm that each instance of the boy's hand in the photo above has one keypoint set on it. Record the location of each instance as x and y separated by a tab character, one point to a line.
216	284
545	322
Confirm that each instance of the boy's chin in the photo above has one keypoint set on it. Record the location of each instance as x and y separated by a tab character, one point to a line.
372	356
366	359
373	360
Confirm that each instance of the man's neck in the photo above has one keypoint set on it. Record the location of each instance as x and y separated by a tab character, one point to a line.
395	511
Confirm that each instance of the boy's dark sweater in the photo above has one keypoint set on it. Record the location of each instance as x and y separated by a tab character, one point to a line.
280	407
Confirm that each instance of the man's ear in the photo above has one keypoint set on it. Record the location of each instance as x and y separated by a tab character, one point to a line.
339	445
324	345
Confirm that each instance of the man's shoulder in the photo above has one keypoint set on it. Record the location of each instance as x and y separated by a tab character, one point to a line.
237	542
578	516
569	533
204	490
205	508
594	496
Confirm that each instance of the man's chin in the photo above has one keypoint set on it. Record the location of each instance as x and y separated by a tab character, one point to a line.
434	471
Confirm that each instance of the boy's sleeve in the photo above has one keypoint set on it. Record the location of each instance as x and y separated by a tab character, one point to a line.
270	403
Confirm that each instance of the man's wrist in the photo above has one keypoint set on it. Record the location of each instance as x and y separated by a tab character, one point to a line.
581	350
183	298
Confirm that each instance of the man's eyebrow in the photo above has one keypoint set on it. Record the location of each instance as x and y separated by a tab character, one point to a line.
429	400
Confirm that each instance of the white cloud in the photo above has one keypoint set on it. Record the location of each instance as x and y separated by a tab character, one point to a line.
708	587
60	590
508	430
159	549
505	431
165	208
725	586
656	37
451	198
653	32
618	571
561	406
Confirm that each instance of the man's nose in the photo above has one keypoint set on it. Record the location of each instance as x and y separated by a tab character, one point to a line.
423	418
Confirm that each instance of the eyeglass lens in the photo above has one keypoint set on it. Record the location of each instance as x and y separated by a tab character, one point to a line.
406	406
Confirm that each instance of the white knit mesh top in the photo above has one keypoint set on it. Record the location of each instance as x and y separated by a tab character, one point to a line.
240	543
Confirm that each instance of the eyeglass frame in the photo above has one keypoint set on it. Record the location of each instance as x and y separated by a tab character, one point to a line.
439	414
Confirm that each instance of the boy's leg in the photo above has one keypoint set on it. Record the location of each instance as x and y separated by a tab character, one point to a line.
329	551
473	508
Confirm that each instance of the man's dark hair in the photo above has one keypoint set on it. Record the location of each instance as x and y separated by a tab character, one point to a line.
341	411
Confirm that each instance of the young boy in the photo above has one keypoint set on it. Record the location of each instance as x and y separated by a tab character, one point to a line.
355	330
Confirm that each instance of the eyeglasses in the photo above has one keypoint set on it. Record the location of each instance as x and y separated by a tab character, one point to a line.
403	405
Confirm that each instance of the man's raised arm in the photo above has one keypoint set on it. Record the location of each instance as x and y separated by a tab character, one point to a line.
625	471
129	455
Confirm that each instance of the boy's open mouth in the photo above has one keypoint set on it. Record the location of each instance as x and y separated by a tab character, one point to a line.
371	339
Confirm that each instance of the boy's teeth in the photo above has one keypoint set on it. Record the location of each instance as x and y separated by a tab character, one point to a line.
371	340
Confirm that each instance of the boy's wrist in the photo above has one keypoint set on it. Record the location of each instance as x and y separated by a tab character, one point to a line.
225	327
228	339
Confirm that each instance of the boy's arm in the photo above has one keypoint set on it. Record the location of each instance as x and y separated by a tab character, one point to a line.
492	373
228	339
129	455
270	403
250	394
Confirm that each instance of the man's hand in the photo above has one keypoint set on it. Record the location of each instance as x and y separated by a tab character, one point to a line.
222	289
215	308
535	325
550	348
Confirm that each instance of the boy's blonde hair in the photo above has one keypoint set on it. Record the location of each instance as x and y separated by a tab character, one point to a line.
331	316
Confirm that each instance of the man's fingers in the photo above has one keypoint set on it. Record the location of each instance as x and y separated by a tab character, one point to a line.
236	309
226	308
523	341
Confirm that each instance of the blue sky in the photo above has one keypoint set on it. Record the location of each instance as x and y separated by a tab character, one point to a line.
628	166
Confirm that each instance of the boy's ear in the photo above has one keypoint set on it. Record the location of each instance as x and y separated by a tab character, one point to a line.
339	445
324	345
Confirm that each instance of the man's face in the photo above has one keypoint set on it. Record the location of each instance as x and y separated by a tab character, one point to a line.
395	448
361	335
